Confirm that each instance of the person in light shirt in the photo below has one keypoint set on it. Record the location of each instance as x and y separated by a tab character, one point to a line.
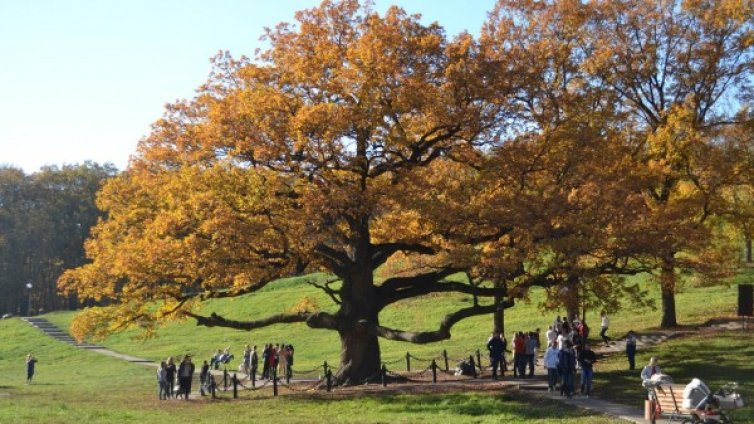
651	369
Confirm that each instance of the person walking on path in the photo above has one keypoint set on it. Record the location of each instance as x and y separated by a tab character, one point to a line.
587	358
31	362
551	363
162	381
631	349
567	369
496	347
170	376
603	332
185	373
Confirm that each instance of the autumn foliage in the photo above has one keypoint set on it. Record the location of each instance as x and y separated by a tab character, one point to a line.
569	145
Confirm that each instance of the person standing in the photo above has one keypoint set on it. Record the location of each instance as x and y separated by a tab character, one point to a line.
170	376
185	373
204	378
31	363
282	361
265	361
651	369
530	349
552	336
247	359
566	369
162	381
519	355
587	358
631	349
254	362
551	363
604	324
496	347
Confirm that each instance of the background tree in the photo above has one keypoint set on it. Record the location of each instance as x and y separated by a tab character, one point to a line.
44	219
677	67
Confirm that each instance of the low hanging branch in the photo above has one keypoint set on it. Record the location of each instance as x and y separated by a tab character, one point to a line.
443	333
312	319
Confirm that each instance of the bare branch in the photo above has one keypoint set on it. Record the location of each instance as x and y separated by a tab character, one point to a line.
312	319
334	294
443	333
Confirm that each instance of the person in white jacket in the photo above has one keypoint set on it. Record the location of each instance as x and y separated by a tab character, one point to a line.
551	363
651	369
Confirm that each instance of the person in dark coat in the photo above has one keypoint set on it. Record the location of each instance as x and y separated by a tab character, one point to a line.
587	358
496	347
185	373
567	369
31	361
204	378
170	376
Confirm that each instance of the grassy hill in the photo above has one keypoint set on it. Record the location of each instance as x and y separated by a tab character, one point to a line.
695	305
77	386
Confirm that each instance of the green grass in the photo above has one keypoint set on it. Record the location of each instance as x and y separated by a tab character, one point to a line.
78	386
714	357
315	346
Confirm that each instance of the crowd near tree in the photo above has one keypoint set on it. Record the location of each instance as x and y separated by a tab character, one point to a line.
570	145
44	219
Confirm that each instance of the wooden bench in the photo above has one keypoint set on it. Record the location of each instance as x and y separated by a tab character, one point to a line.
665	402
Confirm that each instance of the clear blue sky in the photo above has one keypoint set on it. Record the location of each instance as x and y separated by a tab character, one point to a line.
84	79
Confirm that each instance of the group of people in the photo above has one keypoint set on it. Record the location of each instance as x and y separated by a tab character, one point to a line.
567	352
167	373
277	360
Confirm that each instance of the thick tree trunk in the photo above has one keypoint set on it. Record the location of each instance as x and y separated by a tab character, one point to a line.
359	356
360	349
667	284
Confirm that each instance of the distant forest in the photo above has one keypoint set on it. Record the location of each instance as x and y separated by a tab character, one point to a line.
45	217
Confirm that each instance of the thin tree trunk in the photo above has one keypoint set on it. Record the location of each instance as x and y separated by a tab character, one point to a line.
667	285
748	251
498	317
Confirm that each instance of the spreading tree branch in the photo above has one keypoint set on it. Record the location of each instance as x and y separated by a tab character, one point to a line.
382	252
312	319
443	333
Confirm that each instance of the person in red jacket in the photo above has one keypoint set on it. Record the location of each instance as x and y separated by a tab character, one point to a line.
519	355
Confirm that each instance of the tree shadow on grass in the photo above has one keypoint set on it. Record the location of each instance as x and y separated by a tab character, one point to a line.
715	358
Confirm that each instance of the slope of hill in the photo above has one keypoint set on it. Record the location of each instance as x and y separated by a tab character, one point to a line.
695	305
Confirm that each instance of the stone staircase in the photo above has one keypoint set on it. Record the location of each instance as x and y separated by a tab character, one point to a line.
56	333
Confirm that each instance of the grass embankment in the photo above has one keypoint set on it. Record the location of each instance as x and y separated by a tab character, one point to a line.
714	357
74	385
315	346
